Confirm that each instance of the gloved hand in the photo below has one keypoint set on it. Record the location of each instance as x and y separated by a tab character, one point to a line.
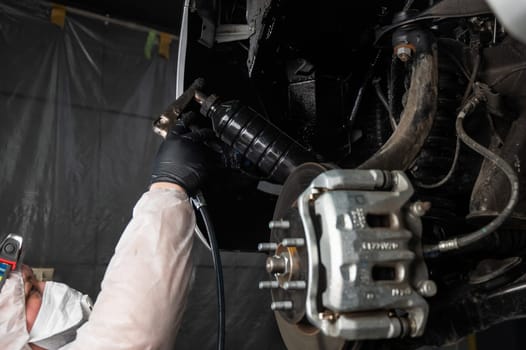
183	158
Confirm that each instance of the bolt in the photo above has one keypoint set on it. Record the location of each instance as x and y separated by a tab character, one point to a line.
281	305
427	288
276	264
268	284
403	53
293	242
283	224
294	285
327	315
265	247
369	296
420	208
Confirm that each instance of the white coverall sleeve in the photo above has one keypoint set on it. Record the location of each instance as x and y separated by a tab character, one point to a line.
145	287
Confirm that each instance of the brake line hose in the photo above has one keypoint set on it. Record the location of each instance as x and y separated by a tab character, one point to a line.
470	238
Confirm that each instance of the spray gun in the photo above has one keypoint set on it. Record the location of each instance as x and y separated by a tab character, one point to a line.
242	128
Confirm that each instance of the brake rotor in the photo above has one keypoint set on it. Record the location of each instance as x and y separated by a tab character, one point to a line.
296	331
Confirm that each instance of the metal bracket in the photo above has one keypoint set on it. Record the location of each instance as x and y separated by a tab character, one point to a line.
233	32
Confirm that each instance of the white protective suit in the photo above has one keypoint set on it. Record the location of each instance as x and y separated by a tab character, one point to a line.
144	291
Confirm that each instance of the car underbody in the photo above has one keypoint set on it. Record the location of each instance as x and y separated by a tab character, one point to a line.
383	140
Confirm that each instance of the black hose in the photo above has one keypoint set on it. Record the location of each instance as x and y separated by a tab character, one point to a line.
361	90
469	238
216	258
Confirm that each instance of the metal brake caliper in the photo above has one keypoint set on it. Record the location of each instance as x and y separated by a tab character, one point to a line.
365	272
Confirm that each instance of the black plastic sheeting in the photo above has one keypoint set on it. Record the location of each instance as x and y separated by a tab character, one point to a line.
76	148
76	144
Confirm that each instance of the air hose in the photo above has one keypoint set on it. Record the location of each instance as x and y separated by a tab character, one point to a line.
200	204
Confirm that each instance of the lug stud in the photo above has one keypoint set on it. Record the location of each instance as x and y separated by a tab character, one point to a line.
283	224
281	305
268	284
267	247
294	285
293	242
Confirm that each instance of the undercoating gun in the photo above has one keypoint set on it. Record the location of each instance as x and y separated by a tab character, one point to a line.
240	127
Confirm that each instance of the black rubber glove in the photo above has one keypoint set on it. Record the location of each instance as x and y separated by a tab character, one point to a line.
183	158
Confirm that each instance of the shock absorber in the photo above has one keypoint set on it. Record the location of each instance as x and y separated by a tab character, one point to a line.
257	139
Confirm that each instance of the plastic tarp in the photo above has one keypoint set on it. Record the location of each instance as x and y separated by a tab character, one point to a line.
76	144
76	148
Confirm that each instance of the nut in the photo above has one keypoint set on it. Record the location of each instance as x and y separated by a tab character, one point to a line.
404	53
427	288
419	208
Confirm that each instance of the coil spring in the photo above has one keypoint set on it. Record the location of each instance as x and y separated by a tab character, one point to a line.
436	156
375	129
